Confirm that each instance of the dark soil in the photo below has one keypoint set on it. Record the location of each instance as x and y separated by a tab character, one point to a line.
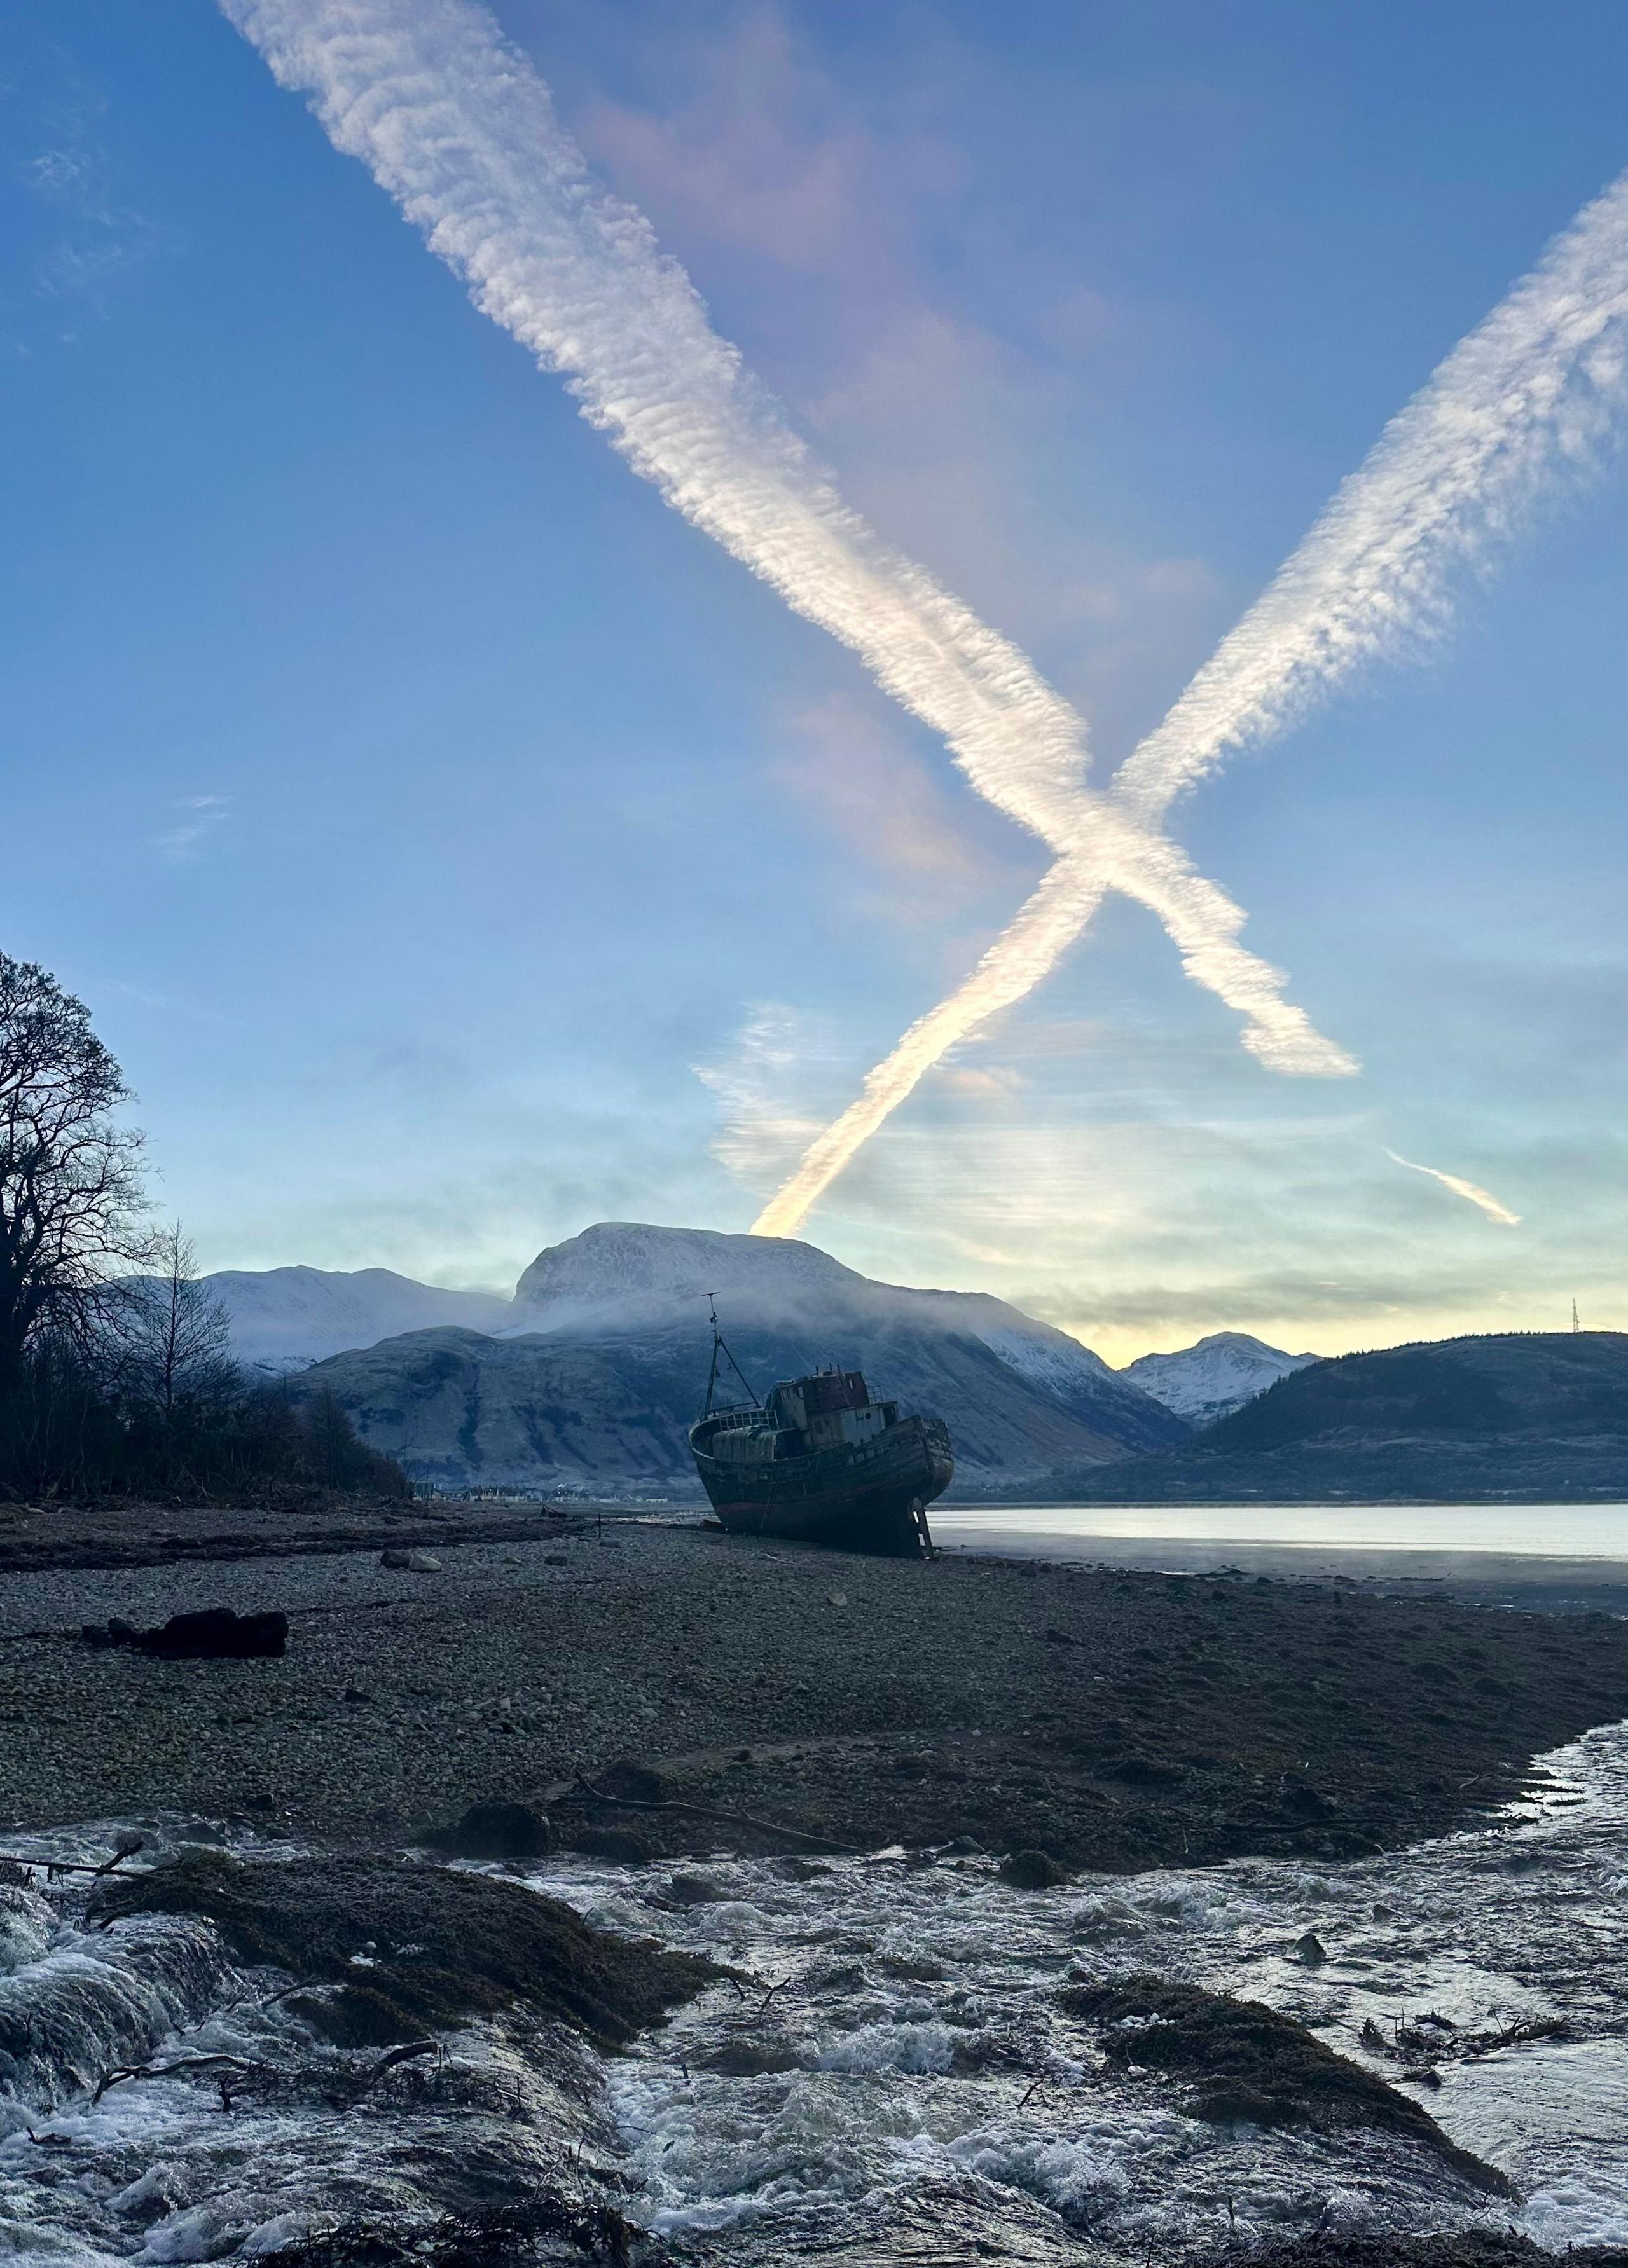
442	1945
498	2238
121	1533
1112	1720
1251	2066
1156	1720
1470	2249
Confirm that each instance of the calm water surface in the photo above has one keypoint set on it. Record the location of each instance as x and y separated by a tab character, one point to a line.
1573	1531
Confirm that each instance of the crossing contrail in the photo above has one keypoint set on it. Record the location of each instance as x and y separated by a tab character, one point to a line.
1470	1191
1532	394
456	125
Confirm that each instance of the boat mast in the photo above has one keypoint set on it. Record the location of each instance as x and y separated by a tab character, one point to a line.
718	1347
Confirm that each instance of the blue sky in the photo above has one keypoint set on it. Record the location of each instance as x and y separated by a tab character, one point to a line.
456	848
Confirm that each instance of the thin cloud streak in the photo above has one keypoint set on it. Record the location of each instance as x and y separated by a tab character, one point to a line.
454	124
204	815
1471	1192
1532	393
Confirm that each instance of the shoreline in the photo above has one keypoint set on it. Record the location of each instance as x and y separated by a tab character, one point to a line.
1114	1719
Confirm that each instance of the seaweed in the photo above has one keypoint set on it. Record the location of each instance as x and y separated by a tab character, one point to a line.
415	1947
1250	2064
1469	2247
494	2238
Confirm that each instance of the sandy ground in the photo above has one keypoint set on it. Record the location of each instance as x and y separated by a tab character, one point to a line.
1107	1716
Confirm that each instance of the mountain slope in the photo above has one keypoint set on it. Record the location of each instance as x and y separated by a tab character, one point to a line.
1037	1397
622	1277
1211	1378
610	1414
1526	1416
1510	1387
284	1318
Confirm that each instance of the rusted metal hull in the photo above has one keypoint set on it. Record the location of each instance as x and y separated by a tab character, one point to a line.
867	1498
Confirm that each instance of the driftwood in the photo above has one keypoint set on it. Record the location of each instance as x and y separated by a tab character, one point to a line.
52	1868
220	2064
705	1811
413	2049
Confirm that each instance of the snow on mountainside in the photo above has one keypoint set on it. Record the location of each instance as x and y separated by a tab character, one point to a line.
628	1276
1209	1381
591	1373
286	1318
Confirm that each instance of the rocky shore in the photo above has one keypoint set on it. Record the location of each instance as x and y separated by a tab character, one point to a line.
751	1697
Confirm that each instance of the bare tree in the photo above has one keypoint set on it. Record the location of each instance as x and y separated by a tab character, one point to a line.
70	1194
177	1330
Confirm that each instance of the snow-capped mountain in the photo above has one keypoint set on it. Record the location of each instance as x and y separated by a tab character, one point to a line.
628	1276
285	1318
1217	1376
619	1277
590	1374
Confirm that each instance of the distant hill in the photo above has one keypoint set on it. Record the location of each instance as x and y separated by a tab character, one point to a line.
1215	1377
1521	1415
284	1318
598	1367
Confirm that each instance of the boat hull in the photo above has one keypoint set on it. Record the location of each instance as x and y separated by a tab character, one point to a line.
861	1499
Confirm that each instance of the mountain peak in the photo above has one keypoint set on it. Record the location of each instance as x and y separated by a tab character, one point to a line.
628	1261
1217	1375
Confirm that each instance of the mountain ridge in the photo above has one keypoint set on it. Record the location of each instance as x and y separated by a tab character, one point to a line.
1505	1416
599	1364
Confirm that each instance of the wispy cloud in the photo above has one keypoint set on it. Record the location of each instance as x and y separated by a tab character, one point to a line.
199	816
761	1131
860	780
54	130
1471	1192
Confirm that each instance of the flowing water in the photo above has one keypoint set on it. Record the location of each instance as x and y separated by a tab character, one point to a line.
888	2072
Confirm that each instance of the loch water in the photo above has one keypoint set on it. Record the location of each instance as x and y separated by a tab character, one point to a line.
887	2067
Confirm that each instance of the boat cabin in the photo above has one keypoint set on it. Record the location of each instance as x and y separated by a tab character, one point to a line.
830	1409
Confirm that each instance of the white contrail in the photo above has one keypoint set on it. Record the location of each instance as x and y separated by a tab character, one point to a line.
1470	1191
456	125
1533	392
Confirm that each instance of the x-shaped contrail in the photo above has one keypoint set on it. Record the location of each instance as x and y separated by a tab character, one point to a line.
1534	391
457	126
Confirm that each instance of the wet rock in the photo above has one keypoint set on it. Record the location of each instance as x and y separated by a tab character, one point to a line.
1309	1803
445	1945
1267	2068
1245	2106
1310	1950
748	2055
497	1830
633	1781
620	1845
1032	1870
214	1634
693	1891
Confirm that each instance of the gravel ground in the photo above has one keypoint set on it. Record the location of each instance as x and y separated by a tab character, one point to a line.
1111	1718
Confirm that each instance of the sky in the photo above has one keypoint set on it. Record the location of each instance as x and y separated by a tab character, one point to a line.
456	847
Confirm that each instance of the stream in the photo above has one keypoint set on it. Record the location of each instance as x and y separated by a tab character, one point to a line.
888	2064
